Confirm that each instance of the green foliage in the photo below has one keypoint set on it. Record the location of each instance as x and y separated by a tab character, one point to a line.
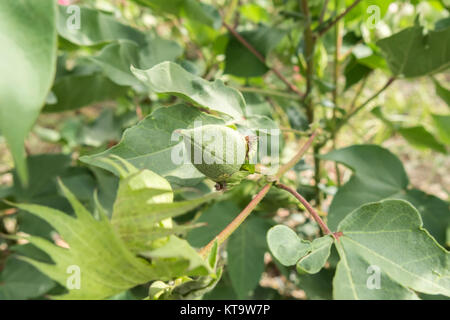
103	195
102	258
29	68
242	63
411	53
406	255
246	256
116	58
95	28
378	174
136	148
170	78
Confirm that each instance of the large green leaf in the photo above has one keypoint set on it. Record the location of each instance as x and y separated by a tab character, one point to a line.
116	58
106	266
386	239
245	252
241	62
94	27
169	77
20	280
27	65
379	174
80	90
143	207
150	144
412	53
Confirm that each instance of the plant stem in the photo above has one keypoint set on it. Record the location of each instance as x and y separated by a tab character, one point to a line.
324	10
317	174
310	42
357	94
308	207
261	58
289	165
337	54
225	233
321	32
360	107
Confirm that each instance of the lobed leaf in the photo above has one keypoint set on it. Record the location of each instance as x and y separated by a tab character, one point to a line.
388	236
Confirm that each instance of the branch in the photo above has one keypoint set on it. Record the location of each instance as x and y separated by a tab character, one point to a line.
286	167
261	58
376	94
322	13
339	17
308	207
225	233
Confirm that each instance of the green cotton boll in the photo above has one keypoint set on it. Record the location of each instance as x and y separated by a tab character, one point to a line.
216	151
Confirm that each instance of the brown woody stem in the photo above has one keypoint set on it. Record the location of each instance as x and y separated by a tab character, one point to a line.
308	207
339	17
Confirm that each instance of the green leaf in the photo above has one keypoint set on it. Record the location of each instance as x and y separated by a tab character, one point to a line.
379	174
239	61
151	145
245	252
28	65
317	286
215	219
314	261
19	280
76	91
169	77
442	92
94	27
286	246
412	53
116	58
143	207
388	237
107	267
192	9
44	169
417	135
355	72
442	123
